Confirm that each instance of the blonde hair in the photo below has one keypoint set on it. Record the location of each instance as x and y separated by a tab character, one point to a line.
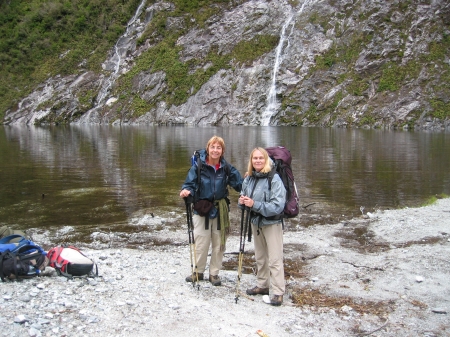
216	139
267	166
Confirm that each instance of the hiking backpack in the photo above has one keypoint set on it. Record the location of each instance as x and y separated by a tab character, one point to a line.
22	259
6	231
69	261
282	159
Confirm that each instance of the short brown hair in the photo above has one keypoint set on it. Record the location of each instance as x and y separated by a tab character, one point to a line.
216	139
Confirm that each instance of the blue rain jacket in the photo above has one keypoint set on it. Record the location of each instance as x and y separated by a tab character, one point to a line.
213	184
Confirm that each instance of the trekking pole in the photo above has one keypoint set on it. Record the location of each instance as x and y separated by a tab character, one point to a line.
189	200
242	248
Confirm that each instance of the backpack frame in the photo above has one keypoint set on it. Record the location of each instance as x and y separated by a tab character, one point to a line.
282	159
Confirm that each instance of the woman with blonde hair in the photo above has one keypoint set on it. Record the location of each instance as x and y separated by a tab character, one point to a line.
266	204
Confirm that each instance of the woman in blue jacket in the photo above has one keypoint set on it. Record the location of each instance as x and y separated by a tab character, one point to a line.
211	225
266	206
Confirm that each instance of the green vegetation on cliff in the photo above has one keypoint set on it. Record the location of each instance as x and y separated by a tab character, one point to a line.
356	71
42	38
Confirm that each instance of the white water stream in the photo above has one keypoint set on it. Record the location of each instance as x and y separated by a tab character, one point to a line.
272	104
120	49
117	57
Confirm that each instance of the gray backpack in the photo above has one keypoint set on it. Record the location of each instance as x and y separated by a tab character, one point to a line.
6	231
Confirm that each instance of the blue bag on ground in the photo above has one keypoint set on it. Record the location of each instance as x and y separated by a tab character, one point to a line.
22	259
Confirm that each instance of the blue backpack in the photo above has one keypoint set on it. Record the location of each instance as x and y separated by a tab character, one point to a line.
22	259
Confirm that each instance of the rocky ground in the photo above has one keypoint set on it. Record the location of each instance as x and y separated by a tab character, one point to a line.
382	274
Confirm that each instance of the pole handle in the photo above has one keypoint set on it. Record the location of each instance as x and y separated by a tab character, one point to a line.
189	199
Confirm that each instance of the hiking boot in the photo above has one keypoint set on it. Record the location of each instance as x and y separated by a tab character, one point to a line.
276	300
257	291
200	277
215	280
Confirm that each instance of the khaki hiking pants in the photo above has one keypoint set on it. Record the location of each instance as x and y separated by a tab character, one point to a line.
203	238
269	257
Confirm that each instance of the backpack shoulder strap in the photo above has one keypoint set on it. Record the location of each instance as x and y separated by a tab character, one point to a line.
9	238
199	164
227	170
3	256
272	173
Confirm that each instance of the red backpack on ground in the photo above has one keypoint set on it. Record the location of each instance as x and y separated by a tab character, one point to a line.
69	261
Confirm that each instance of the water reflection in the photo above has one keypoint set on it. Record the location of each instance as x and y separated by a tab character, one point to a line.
101	175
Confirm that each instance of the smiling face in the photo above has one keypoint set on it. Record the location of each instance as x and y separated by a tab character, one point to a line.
215	152
258	160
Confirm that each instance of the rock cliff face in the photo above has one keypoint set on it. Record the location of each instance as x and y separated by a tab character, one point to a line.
343	63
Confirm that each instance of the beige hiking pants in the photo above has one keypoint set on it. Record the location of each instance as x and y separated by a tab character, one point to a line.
269	257
203	239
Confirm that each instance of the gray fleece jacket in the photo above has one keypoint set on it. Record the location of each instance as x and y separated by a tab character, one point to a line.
267	202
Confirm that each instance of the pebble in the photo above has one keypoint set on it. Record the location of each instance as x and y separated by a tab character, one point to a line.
371	215
439	311
174	306
25	298
92	282
20	319
346	309
43	321
34	332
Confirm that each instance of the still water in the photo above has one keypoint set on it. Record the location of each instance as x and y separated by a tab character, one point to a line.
104	175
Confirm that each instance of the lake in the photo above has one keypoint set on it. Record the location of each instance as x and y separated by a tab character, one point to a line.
103	176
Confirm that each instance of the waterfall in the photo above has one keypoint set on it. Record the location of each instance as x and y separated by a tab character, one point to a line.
117	57
120	49
272	104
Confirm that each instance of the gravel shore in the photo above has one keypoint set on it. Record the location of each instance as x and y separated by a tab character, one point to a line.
382	274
